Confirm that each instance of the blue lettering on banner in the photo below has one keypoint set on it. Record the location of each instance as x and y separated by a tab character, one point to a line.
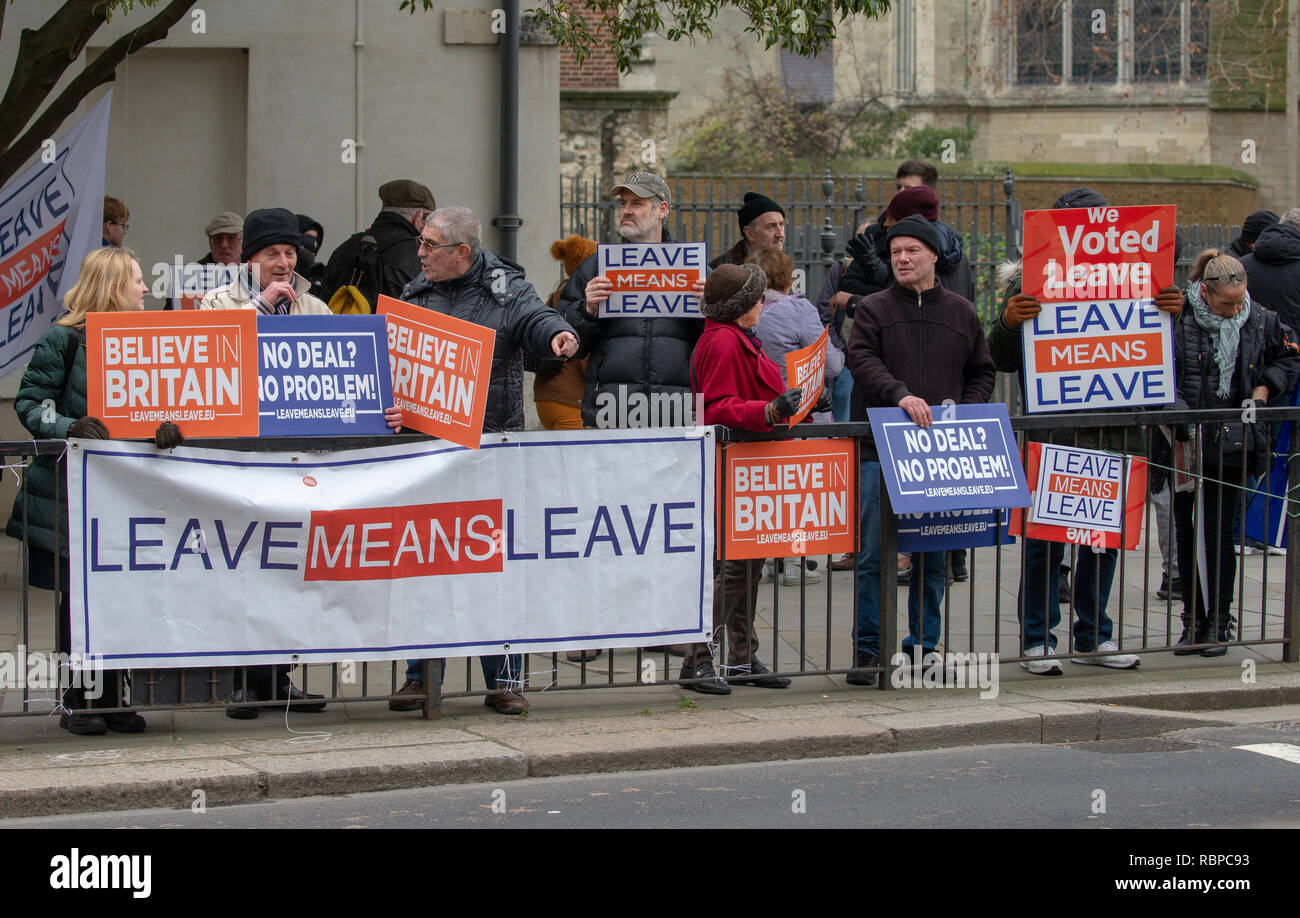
966	460
951	529
323	375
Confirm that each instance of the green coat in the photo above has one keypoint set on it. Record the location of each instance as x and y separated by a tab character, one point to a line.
46	480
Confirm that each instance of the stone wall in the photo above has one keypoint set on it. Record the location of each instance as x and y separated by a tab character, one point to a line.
607	133
1268	131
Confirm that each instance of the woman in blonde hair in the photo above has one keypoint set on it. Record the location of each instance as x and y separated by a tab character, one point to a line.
51	404
1227	350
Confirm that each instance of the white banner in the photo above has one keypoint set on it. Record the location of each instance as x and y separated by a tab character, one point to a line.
51	217
535	542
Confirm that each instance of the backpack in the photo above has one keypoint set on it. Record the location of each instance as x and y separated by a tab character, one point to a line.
356	292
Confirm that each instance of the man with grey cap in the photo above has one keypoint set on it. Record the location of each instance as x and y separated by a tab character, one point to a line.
384	257
629	356
225	234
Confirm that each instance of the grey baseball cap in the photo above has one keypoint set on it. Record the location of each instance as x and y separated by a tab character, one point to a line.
644	185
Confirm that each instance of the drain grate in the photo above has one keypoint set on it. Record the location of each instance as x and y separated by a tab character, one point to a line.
1132	746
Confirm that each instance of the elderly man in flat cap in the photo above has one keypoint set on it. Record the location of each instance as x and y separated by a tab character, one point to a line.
384	257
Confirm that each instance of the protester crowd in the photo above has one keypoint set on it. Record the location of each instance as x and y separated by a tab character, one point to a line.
903	332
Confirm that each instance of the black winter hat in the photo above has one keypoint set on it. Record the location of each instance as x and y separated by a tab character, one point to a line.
732	290
1256	223
755	206
917	227
271	226
1079	197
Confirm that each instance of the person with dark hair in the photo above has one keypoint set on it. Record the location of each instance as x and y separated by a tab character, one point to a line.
913	172
1243	241
741	387
762	227
313	237
912	345
1273	267
115	225
1039	605
1228	349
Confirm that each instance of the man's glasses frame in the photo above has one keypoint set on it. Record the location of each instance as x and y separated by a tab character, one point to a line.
426	244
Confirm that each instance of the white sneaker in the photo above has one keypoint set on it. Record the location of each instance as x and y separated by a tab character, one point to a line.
1110	656
767	573
790	577
1048	666
1238	548
1275	551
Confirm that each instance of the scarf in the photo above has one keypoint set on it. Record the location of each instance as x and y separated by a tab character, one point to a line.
1226	334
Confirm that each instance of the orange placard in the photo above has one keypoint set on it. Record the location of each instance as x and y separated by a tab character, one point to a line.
806	369
1093	254
441	367
1087	486
787	498
196	369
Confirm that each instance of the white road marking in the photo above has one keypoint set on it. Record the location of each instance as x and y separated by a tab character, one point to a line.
1288	752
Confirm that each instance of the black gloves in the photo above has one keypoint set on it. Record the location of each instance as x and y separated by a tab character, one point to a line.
88	428
784	405
824	401
874	270
167	436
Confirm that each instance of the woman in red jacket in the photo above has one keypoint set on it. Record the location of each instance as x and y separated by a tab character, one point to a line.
741	387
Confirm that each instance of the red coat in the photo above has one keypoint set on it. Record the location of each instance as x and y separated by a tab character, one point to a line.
735	377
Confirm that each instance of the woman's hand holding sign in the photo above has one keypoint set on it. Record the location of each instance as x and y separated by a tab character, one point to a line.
1020	309
1170	300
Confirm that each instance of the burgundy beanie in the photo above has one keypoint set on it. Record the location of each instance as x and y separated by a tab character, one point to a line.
920	199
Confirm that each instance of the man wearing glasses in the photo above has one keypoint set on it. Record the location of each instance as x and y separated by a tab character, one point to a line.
462	280
115	225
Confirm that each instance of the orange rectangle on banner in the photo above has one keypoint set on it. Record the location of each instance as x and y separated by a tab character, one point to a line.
788	498
806	369
1093	254
1103	352
441	367
671	280
195	369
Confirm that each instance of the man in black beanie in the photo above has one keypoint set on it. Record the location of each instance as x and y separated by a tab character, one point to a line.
1244	241
268	281
912	345
762	227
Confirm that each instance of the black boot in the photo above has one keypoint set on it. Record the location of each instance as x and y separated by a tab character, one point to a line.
1222	628
1192	634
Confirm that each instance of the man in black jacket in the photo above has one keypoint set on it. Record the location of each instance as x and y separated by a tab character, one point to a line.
912	345
395	237
1273	268
462	280
629	356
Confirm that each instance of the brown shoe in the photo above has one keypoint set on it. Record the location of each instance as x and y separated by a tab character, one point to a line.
506	702
402	700
845	562
581	656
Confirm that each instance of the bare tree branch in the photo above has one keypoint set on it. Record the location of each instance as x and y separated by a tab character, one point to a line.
99	71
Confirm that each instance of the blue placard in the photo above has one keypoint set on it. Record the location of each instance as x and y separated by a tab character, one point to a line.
966	460
949	529
323	375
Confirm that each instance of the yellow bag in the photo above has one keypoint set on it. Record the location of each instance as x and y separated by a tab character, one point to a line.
349	301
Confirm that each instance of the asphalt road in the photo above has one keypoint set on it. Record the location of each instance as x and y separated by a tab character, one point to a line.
1195	778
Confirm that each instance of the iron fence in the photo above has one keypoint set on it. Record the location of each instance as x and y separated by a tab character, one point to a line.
805	628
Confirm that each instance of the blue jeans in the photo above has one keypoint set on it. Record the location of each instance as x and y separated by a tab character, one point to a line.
840	395
927	589
1040	604
504	668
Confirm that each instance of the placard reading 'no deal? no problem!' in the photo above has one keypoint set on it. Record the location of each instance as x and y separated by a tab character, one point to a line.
195	369
1099	341
441	366
652	281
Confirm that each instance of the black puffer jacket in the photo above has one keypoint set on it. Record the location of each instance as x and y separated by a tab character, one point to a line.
648	356
399	256
506	303
865	276
1266	355
1273	271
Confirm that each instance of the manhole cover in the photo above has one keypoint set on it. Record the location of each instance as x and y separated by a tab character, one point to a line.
1127	746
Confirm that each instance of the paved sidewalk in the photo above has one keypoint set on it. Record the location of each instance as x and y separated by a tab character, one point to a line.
360	746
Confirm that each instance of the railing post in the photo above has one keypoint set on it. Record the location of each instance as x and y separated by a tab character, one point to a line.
1291	594
888	586
1014	215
